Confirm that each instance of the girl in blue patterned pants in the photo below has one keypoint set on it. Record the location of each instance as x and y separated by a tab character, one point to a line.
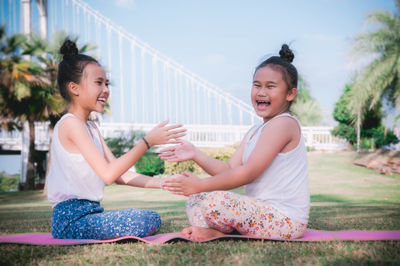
85	219
81	163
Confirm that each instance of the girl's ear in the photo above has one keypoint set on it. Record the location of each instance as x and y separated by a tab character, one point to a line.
73	88
291	94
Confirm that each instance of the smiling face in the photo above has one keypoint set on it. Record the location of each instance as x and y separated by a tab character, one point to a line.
93	89
269	94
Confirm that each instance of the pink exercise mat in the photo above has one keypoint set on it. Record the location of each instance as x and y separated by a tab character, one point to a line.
310	236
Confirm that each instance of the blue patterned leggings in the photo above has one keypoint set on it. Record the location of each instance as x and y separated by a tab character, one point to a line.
85	219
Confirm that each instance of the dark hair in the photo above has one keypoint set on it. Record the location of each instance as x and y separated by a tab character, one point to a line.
71	67
283	63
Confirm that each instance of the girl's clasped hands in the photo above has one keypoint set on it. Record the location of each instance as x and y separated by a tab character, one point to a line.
185	183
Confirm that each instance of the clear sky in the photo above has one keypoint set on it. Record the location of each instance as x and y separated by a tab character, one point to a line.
222	41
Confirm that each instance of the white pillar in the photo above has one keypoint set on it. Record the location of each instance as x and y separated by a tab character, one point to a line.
26	15
121	81
358	128
133	98
42	7
144	113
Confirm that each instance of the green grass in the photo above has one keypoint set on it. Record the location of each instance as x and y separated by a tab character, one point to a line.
343	197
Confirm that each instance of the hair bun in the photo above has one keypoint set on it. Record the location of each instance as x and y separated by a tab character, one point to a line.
286	54
68	49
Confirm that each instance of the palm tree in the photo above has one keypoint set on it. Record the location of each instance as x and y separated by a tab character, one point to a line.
381	78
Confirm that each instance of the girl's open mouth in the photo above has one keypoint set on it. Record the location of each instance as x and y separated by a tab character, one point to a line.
102	101
262	105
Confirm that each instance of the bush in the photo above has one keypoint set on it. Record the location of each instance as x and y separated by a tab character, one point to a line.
345	131
8	182
223	154
149	164
380	136
172	168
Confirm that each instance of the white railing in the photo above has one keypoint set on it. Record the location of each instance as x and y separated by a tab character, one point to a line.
12	140
318	138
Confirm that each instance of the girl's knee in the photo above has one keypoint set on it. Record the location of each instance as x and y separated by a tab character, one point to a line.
215	201
195	200
217	197
155	218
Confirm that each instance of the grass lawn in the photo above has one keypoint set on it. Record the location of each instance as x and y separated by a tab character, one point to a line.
343	197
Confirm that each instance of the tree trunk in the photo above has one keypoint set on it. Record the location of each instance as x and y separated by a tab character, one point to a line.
30	176
51	130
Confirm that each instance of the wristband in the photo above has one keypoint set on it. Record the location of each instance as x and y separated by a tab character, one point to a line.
147	144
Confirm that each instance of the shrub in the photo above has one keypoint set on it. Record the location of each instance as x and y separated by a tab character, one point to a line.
8	182
345	131
380	136
149	164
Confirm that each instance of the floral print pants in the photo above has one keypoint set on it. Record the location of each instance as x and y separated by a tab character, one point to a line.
227	211
85	219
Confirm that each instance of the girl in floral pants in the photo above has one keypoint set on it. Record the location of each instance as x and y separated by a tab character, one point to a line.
271	162
227	211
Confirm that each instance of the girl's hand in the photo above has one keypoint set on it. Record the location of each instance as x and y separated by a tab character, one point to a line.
183	184
184	151
163	134
164	180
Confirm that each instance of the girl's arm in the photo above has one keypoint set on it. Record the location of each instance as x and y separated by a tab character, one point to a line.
73	132
185	151
279	135
129	178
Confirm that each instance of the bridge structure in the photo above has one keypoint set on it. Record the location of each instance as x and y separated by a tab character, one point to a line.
147	86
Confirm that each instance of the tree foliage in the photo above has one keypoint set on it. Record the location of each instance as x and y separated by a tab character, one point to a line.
373	133
382	76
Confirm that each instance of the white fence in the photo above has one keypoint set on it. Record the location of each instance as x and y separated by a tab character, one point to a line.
318	138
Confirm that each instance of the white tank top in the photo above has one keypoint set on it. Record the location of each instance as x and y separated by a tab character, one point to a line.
284	184
70	176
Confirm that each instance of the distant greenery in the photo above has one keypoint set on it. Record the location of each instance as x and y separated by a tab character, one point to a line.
373	133
8	182
305	107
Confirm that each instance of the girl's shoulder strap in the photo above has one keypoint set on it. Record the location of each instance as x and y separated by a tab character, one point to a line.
94	126
63	117
252	131
282	115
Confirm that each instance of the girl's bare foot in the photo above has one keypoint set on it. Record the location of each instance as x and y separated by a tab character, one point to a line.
196	233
